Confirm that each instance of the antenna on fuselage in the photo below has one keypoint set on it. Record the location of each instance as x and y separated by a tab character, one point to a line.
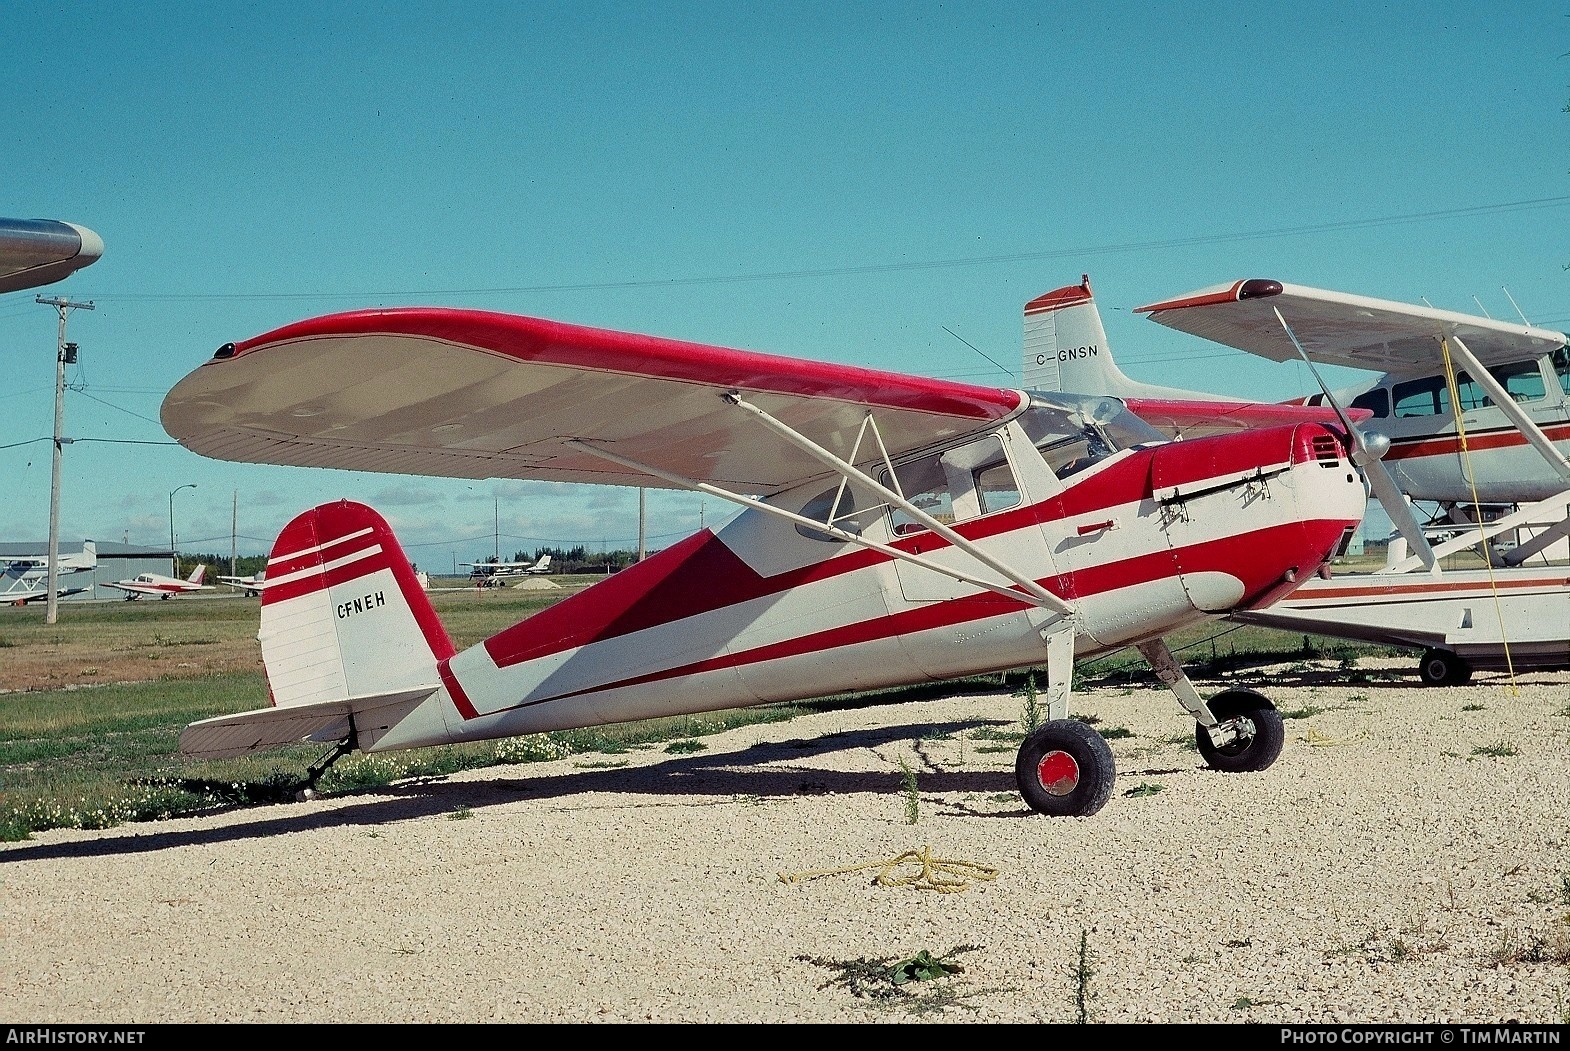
978	350
1513	303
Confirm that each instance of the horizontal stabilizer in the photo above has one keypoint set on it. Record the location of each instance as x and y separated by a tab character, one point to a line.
226	736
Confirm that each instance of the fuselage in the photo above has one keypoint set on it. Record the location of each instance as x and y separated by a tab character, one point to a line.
1141	540
1482	457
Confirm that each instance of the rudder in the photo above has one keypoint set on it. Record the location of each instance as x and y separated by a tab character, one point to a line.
343	613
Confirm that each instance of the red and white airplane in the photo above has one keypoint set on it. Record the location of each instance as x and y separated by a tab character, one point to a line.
161	586
1500	461
896	530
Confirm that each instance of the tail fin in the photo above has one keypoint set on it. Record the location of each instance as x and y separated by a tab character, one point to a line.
1065	344
543	564
196	575
88	559
1066	350
343	614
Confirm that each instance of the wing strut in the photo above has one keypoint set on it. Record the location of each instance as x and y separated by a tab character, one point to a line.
1379	480
1035	596
1045	598
1506	404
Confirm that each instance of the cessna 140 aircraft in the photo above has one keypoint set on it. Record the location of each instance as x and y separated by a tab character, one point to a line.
1504	448
896	530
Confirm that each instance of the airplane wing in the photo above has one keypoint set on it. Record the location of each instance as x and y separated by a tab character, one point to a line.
475	394
1337	328
1195	419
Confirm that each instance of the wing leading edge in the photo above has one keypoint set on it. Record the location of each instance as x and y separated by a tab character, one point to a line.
1338	328
475	394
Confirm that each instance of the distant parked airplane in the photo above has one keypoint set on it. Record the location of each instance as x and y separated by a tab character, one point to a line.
251	584
24	579
494	574
160	585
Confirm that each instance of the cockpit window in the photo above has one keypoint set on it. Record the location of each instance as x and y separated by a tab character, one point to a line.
1376	401
836	507
1075	431
956	485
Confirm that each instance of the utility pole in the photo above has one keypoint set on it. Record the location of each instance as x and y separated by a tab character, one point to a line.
642	506
64	353
234	529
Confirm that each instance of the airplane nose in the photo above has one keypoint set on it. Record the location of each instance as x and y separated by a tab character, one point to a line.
1250	516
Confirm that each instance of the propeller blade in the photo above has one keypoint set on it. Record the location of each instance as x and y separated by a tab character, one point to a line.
1384	487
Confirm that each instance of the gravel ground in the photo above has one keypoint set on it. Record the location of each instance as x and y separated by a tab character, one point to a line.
1404	861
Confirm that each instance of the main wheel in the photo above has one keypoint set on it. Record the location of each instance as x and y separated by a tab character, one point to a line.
1444	668
1263	732
1065	769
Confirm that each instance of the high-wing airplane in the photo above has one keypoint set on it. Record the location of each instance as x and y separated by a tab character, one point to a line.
23	579
250	585
496	574
1512	381
161	586
1496	467
895	530
36	252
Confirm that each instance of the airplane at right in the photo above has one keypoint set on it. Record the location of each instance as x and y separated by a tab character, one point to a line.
1493	467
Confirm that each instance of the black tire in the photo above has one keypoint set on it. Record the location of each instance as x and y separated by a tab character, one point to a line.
1444	668
1264	733
1065	769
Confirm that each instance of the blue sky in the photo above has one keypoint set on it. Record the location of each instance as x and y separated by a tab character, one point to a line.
873	184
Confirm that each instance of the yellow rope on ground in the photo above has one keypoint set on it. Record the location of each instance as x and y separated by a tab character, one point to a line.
1316	739
1471	478
943	875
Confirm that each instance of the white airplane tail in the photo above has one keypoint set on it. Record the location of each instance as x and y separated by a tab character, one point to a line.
543	565
343	613
1066	349
197	576
88	559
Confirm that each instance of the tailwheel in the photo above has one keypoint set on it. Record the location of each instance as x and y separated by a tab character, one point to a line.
1444	668
1065	769
1258	727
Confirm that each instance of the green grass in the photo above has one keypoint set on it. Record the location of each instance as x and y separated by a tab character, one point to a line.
100	756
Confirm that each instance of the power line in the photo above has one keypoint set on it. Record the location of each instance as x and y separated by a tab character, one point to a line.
874	268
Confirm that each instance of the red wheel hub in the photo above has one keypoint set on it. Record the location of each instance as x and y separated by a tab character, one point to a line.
1058	773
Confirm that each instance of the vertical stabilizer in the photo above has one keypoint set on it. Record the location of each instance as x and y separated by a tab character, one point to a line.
343	613
1066	349
1065	344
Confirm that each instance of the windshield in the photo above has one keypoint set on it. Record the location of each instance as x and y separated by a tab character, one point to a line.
1074	431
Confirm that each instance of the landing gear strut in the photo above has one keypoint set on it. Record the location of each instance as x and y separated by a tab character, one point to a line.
306	790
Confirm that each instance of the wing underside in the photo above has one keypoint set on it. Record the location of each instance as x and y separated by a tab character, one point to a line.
1337	328
475	394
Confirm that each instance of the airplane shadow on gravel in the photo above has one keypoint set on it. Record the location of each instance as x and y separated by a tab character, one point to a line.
763	771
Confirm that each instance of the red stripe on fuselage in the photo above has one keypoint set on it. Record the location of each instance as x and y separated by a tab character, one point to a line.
1239	555
662	589
1476	441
